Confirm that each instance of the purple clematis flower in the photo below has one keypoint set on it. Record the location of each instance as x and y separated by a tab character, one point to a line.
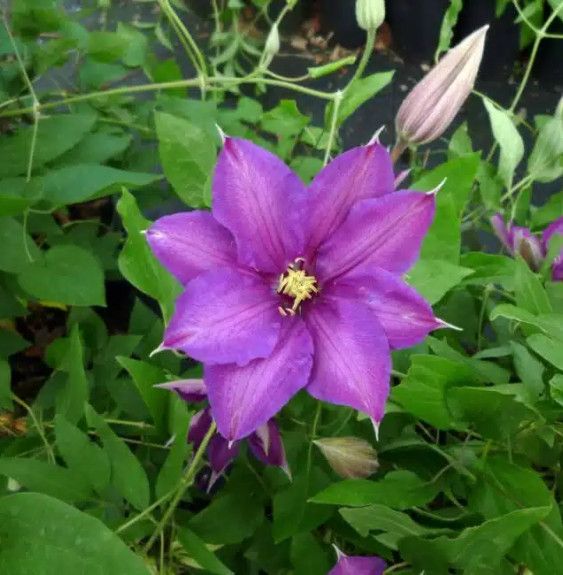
288	287
532	248
265	443
357	565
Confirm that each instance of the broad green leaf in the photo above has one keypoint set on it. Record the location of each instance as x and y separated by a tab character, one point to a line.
42	535
285	119
187	155
138	264
515	313
398	489
145	376
509	140
47	478
529	369
201	554
228	519
448	23
433	279
14	257
549	212
460	142
11	342
5	387
15	150
72	398
127	473
484	546
443	241
65	274
489	269
529	292
423	391
307	555
548	348
107	46
556	388
360	92
17	194
97	148
81	182
82	455
544	163
136	45
504	487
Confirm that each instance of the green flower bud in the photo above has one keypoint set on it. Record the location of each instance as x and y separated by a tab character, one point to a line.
350	457
273	41
370	13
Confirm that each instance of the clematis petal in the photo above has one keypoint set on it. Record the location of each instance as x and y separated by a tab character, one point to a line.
267	446
225	316
260	200
199	426
355	565
385	232
358	174
244	398
220	453
501	231
352	361
190	390
405	316
190	243
555	227
557	269
527	245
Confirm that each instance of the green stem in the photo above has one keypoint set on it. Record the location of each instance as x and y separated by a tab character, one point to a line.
333	125
50	452
185	483
316	420
368	50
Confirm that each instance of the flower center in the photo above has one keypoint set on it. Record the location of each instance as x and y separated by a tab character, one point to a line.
297	284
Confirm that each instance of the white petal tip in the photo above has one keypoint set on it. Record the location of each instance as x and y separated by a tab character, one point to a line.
445	324
435	191
339	553
375	137
160	348
376	429
222	134
169	443
144	232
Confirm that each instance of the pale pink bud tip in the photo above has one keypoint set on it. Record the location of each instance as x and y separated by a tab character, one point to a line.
435	101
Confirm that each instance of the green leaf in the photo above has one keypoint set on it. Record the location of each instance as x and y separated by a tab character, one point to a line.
360	92
460	142
489	269
145	376
47	478
544	163
17	194
529	370
423	391
107	46
14	257
15	150
443	241
72	398
136	45
433	279
509	140
529	291
448	23
127	473
41	535
81	182
307	556
285	119
5	387
229	519
398	489
187	155
548	348
556	388
65	274
97	148
199	552
138	264
81	455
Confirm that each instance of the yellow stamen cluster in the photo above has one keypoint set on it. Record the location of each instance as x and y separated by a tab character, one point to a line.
296	283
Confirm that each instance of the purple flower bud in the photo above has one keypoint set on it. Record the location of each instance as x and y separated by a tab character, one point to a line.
434	102
350	457
528	246
267	446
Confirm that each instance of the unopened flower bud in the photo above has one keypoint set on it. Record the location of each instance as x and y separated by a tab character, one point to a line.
370	13
350	457
435	101
273	41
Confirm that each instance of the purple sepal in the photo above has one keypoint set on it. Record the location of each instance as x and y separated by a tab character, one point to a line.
267	446
199	426
355	565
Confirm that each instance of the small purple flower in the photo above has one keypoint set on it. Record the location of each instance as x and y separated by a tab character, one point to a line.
289	288
265	443
532	249
357	565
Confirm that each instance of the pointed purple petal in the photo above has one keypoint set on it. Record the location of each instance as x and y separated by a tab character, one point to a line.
220	454
385	232
501	231
188	244
267	446
244	398
352	361
358	566
557	269
260	200
358	174
225	316
555	227
405	316
191	390
199	426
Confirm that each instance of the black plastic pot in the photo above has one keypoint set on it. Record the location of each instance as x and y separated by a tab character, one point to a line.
503	39
415	27
339	17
